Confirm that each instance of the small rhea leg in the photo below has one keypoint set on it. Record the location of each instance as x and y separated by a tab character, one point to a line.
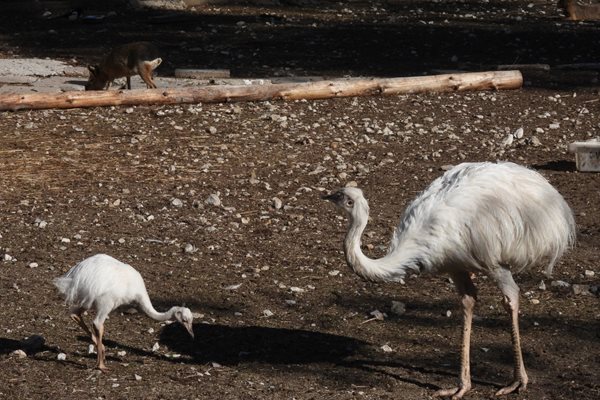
99	329
511	304
468	292
129	82
76	316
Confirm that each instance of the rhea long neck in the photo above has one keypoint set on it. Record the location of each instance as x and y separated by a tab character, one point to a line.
392	267
147	307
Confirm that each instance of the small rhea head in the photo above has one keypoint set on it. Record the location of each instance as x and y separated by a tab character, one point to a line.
349	199
184	316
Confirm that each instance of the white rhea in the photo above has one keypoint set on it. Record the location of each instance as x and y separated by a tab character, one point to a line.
102	283
494	219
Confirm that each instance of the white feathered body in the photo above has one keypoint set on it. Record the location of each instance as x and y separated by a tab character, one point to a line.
476	217
104	282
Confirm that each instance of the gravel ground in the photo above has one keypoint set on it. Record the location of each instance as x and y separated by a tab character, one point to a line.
218	206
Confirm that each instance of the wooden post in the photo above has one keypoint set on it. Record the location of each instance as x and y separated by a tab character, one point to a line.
494	80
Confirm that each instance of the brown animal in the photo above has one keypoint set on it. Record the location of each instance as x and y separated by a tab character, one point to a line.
124	61
580	12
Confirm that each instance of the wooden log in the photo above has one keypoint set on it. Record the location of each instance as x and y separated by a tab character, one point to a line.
494	80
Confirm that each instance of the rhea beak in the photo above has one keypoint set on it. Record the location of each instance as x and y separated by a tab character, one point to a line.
333	197
190	328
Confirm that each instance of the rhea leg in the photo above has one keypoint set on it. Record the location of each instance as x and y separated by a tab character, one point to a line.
468	294
76	316
99	330
510	290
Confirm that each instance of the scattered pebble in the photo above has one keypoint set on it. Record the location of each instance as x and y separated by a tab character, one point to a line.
176	203
386	348
398	308
213	199
61	357
268	313
18	353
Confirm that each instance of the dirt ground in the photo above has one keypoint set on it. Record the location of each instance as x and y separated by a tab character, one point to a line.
279	315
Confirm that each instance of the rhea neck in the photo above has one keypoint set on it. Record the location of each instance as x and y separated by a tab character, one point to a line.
147	307
392	267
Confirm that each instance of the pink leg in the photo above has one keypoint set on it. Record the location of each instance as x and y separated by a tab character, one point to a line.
468	294
101	350
76	316
511	303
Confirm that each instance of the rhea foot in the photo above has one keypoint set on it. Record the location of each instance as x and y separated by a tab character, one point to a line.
515	386
456	393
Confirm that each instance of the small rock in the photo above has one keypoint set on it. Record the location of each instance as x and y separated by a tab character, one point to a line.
542	286
137	377
129	110
91	349
398	308
155	347
534	301
589	273
508	140
33	265
176	203
7	257
518	134
446	167
535	141
61	357
554	126
268	313
334	272
277	203
296	289
386	348
19	353
131	311
212	130
65	240
448	313
213	199
121	353
581	289
377	315
189	248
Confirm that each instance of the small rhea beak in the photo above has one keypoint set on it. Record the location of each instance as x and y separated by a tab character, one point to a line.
190	328
333	197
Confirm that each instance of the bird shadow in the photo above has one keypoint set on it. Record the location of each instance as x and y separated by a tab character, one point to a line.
7	346
560	166
293	347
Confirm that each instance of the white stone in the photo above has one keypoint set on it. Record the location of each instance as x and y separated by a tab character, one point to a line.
61	357
386	348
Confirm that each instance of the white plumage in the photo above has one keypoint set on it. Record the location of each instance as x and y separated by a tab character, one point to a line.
101	283
478	217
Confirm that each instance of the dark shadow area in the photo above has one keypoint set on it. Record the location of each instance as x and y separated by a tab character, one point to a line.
560	165
347	38
9	345
32	345
230	346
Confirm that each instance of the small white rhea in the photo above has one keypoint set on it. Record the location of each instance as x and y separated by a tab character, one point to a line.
102	283
487	218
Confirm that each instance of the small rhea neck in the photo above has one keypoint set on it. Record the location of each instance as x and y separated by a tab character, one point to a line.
147	307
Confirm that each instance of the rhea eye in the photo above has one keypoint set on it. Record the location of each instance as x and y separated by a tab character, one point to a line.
350	203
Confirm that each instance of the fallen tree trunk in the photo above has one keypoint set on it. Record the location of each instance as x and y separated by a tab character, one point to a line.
494	80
